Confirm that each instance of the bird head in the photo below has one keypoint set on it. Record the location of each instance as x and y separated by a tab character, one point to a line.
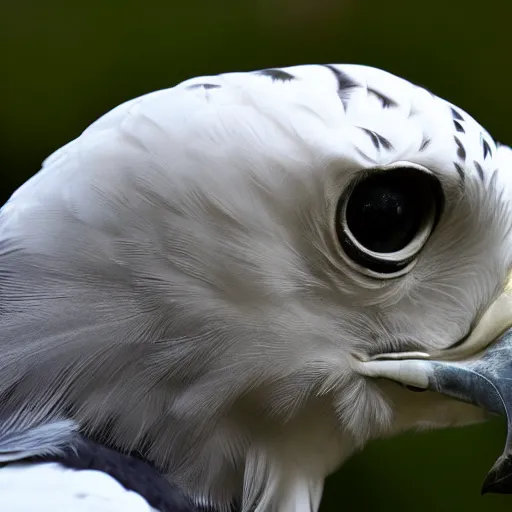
202	275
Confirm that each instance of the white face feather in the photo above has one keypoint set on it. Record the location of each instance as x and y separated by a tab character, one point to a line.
175	272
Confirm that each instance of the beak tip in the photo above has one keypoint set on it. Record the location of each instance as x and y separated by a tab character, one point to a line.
499	478
487	487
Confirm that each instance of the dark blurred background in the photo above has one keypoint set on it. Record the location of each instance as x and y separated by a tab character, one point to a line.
63	65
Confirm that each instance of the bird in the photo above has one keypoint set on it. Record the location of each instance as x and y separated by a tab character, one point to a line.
191	291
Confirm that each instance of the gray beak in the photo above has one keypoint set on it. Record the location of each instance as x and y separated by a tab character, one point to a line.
478	372
487	383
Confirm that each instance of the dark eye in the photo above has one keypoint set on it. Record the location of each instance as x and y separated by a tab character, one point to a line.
386	217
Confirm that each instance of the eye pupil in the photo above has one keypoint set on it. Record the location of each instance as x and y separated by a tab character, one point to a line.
386	217
382	214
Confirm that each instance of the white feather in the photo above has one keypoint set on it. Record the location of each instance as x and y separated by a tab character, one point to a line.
50	487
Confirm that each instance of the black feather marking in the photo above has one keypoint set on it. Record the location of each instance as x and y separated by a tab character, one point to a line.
373	137
456	115
460	171
365	156
377	139
203	86
479	170
461	152
386	102
458	126
345	84
486	147
344	81
277	75
425	143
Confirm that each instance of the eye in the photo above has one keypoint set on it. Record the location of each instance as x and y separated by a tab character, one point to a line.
386	217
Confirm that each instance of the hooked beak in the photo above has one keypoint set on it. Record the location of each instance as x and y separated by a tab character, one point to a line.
479	371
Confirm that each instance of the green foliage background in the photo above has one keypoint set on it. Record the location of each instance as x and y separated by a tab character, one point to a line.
64	63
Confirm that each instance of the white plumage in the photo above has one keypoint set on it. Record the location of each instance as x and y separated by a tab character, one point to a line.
49	487
176	272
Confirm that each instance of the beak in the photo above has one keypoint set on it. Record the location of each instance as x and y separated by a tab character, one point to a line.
479	371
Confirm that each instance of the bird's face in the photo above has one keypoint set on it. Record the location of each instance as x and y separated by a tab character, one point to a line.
221	257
